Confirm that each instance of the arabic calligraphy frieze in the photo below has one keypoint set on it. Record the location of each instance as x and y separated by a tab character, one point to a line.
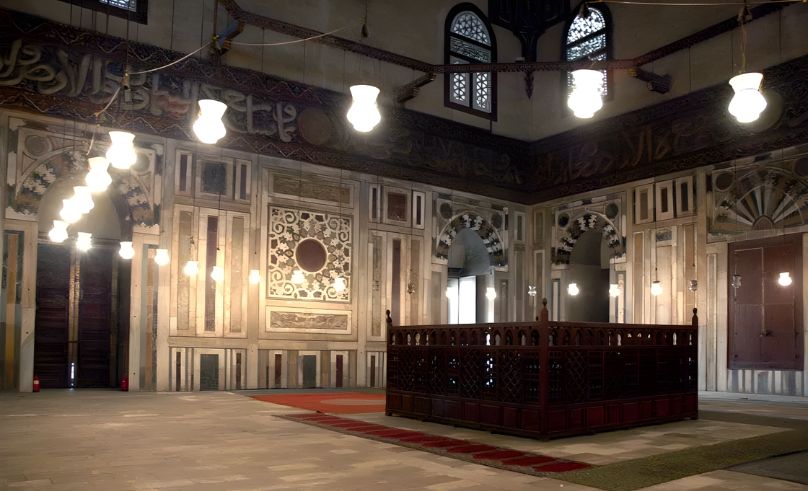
685	133
52	71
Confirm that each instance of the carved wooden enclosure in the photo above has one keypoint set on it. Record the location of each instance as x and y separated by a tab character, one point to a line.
543	379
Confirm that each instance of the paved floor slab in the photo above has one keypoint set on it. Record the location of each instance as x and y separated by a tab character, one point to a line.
71	440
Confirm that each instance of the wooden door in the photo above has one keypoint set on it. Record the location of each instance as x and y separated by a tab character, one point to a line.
208	372
309	371
95	343
765	318
51	363
75	335
338	381
278	370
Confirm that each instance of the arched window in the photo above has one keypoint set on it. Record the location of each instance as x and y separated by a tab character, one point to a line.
588	37
469	39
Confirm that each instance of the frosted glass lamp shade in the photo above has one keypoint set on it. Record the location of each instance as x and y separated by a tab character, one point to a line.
340	284
614	290
70	212
191	268
98	179
209	127
161	257
572	289
255	277
121	153
84	241
364	113
490	293
298	277
58	233
126	251
784	279
217	274
83	199
586	99
747	103
656	288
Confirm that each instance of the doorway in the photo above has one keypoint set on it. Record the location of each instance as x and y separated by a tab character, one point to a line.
309	369
469	271
78	338
589	270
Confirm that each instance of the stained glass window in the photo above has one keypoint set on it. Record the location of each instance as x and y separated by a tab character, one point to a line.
131	10
587	39
469	40
123	4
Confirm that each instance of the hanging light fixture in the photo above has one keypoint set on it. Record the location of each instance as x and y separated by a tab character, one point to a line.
84	241
339	284
747	103
191	268
58	233
255	277
209	127
490	293
126	251
70	212
531	291
161	257
98	179
298	277
217	274
121	153
572	289
364	112
656	288
586	99
784	279
614	290
83	199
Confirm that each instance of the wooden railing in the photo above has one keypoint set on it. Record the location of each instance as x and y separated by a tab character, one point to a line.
543	379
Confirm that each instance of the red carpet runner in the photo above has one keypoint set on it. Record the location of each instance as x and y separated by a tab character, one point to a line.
329	402
514	460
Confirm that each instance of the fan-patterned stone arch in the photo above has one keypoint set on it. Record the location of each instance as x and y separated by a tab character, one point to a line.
765	198
128	196
583	223
484	229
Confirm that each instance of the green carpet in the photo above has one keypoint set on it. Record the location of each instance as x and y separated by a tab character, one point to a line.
656	469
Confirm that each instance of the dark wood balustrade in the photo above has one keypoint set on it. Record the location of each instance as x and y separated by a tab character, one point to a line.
543	379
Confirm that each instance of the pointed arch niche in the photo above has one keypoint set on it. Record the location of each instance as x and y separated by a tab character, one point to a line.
46	158
583	256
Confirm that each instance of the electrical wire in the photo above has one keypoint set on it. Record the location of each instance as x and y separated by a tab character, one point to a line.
173	62
295	41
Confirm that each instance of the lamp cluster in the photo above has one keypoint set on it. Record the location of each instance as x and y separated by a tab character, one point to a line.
586	97
209	128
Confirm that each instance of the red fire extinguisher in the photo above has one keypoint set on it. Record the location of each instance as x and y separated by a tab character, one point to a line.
125	384
36	383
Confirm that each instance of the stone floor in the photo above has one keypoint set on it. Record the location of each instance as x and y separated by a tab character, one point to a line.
65	440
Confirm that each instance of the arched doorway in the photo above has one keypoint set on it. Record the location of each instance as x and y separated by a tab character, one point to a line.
469	266
589	270
82	314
